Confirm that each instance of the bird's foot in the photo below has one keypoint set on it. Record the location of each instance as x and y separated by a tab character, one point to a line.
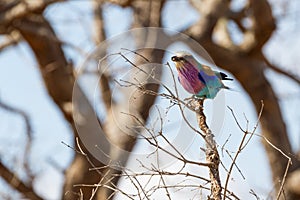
197	97
189	98
195	102
194	97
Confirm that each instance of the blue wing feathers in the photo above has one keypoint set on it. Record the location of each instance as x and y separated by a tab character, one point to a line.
201	78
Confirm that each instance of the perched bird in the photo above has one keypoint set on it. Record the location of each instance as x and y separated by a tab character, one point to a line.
196	78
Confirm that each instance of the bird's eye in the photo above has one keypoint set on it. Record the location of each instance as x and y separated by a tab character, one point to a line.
176	58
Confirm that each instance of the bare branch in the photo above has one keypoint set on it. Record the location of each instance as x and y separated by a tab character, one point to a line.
99	37
179	157
16	183
210	12
12	39
281	71
212	155
22	9
264	23
242	145
105	91
28	132
123	3
289	163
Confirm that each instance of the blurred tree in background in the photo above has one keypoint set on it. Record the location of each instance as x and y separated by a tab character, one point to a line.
234	37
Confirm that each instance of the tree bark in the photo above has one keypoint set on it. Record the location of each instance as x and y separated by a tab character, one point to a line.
59	80
211	151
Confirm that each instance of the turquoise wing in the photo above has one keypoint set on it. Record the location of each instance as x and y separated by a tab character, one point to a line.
212	85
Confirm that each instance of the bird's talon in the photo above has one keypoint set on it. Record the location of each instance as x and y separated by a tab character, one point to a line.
189	98
198	98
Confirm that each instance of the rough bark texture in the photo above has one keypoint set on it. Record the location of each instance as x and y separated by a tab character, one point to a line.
211	151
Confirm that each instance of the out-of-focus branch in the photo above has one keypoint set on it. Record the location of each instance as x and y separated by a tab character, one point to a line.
123	3
57	73
12	39
6	173
99	37
20	10
17	183
60	82
9	108
125	140
261	27
237	17
151	16
210	11
281	71
105	91
223	36
140	103
28	129
292	183
263	23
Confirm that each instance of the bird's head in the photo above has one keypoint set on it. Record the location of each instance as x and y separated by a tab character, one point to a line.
183	60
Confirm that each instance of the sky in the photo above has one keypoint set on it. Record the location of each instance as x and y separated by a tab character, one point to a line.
21	86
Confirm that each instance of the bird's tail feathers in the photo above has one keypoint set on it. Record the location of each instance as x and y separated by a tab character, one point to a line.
224	77
229	88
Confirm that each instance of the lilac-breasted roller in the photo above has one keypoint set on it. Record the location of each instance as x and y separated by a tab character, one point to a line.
196	78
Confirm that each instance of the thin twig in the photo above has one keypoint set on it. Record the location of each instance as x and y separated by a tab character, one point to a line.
256	124
180	157
287	166
146	59
241	146
28	132
280	71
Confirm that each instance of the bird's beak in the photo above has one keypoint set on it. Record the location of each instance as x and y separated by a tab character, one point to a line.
178	62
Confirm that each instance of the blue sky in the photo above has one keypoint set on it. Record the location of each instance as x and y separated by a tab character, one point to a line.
21	86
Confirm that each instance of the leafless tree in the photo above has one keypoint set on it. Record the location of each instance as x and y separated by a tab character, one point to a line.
24	21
